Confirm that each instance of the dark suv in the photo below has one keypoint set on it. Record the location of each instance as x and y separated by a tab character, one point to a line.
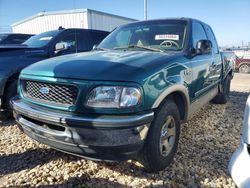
39	47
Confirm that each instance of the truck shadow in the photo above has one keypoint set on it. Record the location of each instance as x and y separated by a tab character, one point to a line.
27	160
5	123
87	181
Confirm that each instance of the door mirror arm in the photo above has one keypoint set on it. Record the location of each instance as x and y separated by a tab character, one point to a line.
203	47
191	52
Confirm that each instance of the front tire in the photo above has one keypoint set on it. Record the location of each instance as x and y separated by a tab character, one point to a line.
162	139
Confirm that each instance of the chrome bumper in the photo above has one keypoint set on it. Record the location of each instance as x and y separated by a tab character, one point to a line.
66	119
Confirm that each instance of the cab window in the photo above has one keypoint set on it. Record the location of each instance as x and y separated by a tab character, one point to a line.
198	33
211	37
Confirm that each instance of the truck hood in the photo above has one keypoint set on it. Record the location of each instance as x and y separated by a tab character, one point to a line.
20	54
113	65
14	51
5	48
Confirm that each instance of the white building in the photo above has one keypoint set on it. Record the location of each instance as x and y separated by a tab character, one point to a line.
80	18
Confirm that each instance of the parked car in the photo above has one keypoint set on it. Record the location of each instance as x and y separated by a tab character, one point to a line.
240	161
39	47
127	98
13	38
243	64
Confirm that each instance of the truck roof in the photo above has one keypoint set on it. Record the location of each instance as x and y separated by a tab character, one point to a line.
77	29
165	19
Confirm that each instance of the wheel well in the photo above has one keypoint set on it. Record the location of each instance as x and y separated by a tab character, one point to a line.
244	63
8	82
180	101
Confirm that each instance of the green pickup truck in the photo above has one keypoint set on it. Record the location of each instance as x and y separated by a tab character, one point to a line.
127	98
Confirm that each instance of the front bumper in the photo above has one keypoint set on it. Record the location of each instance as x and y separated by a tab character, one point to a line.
105	137
240	164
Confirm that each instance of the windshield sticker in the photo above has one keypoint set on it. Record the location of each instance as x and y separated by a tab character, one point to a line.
45	38
166	37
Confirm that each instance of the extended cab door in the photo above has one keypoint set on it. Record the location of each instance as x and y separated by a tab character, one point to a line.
201	64
216	67
96	37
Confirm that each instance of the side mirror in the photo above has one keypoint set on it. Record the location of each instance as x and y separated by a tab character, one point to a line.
94	47
61	46
203	47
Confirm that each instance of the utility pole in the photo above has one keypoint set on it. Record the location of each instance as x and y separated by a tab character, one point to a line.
145	10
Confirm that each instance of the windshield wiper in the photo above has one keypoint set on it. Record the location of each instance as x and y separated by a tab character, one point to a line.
102	49
137	46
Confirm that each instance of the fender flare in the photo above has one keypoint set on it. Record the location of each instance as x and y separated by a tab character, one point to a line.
175	88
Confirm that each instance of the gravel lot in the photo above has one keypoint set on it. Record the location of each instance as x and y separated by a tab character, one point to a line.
207	142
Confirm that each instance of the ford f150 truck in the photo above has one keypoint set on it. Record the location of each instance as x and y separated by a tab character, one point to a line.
45	45
128	97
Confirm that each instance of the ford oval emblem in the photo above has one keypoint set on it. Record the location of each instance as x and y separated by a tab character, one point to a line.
44	90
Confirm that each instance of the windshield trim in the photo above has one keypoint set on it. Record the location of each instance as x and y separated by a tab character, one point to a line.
184	39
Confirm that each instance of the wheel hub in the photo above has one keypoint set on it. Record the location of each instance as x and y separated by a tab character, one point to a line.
168	135
245	69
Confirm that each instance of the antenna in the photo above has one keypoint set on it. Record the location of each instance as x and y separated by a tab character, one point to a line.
145	10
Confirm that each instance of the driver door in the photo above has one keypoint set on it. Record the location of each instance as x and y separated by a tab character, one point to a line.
201	64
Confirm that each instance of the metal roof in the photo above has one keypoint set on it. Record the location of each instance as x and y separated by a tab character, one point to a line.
40	14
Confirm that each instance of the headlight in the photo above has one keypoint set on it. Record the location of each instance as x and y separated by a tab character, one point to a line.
114	97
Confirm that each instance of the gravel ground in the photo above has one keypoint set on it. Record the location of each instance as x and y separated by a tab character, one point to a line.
207	142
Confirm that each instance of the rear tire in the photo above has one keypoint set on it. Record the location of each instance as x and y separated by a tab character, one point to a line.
223	97
244	68
162	139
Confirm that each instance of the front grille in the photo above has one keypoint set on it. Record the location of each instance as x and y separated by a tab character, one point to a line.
58	94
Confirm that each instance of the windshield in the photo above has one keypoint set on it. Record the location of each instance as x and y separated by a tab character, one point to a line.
168	35
2	37
41	40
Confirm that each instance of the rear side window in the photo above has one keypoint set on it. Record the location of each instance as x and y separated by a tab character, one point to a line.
198	33
212	38
97	37
84	42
